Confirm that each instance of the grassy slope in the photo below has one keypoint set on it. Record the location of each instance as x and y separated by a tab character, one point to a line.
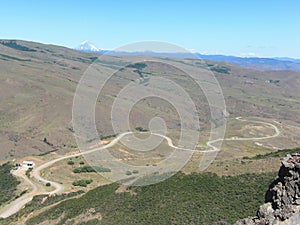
36	96
8	184
182	199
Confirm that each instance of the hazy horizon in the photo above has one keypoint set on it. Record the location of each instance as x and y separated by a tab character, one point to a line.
248	29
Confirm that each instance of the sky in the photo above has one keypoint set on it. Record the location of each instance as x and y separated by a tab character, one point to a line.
263	28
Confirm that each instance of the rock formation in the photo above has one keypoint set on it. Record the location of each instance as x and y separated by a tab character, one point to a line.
283	197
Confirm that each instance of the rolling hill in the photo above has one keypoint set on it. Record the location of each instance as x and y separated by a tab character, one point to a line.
38	83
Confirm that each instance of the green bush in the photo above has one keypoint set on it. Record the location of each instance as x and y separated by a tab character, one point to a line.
70	162
220	69
28	171
48	184
138	66
128	173
84	169
277	154
140	129
82	183
90	169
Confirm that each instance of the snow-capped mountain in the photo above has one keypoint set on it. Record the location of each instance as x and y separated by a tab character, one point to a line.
86	46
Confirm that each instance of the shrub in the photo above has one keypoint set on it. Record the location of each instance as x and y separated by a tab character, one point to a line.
221	69
28	171
108	136
128	173
70	162
277	154
138	66
140	129
82	183
84	169
90	169
102	169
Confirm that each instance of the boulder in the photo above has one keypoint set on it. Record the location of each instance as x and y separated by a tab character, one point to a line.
282	199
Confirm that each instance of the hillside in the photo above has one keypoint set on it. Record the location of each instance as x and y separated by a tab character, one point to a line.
182	199
38	83
8	184
37	88
263	64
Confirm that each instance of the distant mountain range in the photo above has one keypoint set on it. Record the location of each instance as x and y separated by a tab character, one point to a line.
278	63
288	59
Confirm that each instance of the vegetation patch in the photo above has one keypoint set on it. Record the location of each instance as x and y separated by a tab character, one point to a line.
140	129
91	169
8	184
70	162
274	81
277	154
82	183
15	45
107	136
138	66
182	199
28	171
128	173
37	203
220	69
7	57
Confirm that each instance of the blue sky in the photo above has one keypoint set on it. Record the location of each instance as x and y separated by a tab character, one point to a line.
265	28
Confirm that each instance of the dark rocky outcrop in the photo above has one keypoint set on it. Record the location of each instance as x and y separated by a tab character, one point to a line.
282	198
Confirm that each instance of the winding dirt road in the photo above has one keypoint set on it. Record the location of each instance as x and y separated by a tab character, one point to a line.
19	203
276	134
16	205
